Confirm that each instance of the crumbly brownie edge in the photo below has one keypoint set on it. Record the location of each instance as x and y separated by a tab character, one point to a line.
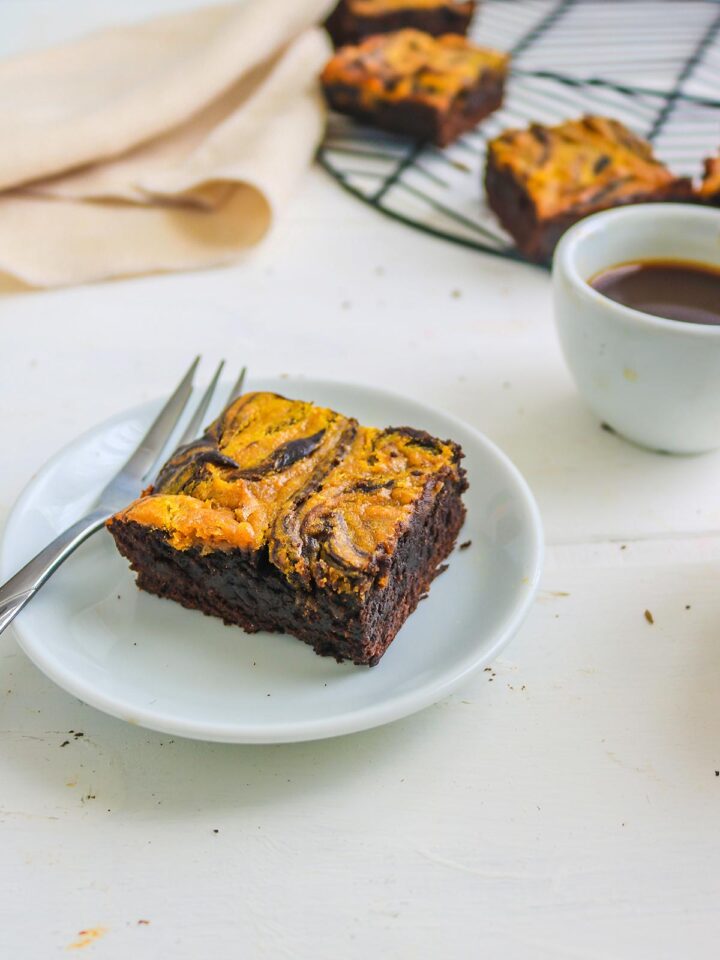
679	191
346	27
247	591
470	109
419	120
536	239
241	588
513	207
428	541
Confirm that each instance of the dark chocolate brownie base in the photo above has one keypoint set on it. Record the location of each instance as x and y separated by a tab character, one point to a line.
419	120
246	590
346	27
536	239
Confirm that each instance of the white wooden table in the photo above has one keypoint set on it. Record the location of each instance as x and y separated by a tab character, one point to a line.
566	807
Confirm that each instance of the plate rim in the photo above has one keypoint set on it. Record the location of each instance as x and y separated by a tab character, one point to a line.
355	721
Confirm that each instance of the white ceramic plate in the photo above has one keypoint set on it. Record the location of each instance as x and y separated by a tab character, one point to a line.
151	662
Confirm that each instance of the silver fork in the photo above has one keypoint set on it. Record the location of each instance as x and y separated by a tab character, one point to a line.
125	486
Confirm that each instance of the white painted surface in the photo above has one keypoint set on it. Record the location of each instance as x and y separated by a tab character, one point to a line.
566	807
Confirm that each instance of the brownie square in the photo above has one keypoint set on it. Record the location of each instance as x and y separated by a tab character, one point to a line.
409	82
286	516
353	20
541	180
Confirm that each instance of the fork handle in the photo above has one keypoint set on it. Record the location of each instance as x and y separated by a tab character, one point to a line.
25	584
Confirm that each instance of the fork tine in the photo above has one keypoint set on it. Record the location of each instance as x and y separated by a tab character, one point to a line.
196	420
162	427
237	387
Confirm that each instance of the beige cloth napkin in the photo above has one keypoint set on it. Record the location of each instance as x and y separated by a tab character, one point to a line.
166	145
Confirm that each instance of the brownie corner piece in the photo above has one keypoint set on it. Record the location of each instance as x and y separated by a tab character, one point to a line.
430	88
541	180
353	20
367	544
290	517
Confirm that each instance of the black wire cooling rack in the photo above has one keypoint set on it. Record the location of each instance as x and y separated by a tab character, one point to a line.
653	64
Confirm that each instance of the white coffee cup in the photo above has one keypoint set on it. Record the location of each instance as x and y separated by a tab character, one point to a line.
655	381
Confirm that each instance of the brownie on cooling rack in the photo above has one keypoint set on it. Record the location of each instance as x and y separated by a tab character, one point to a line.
352	20
709	191
541	180
287	516
431	88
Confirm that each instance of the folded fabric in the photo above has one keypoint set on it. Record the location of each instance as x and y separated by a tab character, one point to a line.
161	146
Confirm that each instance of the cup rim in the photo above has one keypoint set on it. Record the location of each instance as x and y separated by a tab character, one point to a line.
565	261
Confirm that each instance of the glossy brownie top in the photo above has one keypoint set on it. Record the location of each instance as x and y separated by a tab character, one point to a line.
414	66
328	497
580	163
